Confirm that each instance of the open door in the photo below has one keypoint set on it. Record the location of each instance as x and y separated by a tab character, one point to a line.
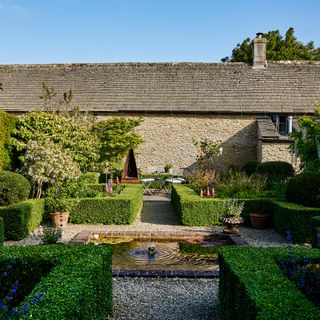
130	171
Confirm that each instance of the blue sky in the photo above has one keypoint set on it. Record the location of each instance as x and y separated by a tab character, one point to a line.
64	31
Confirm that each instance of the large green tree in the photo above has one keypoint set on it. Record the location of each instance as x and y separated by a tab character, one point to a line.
66	130
278	48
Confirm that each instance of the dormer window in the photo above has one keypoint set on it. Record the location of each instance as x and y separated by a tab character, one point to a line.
283	123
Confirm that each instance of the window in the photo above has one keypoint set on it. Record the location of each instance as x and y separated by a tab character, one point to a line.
283	123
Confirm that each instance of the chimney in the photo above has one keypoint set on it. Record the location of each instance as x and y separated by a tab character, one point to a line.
259	52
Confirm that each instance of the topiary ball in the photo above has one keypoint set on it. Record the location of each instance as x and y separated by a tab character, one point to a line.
14	187
304	189
276	170
250	167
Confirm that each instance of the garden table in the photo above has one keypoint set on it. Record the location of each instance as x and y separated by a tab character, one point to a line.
147	182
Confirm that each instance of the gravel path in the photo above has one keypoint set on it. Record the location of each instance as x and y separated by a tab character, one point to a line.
169	299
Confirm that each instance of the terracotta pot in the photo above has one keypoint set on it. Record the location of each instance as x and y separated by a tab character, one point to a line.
59	219
259	220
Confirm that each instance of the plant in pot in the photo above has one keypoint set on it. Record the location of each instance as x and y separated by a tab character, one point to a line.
168	167
232	210
59	211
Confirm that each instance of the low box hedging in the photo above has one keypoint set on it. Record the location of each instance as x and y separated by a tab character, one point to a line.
20	219
1	231
297	219
76	281
196	211
252	286
122	208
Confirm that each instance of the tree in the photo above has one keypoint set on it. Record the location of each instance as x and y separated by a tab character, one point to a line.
46	162
63	129
278	48
117	136
307	141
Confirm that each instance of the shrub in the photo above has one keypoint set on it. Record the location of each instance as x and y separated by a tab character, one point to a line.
196	211
13	188
252	286
295	218
76	281
90	177
250	167
1	231
119	209
304	189
202	179
275	170
239	185
20	219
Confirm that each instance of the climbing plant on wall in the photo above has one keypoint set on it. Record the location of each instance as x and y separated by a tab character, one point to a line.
307	141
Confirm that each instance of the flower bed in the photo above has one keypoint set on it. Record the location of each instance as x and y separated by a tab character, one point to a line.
252	285
75	281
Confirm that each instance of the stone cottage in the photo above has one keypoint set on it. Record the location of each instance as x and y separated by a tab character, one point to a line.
249	108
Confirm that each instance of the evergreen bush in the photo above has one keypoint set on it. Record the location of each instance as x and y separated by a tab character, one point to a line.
275	170
304	189
75	281
250	167
252	286
13	188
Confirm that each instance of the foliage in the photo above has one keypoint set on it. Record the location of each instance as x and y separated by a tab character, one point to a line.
76	281
193	210
275	171
1	231
297	219
209	152
7	124
278	48
116	137
47	162
304	189
72	133
90	177
250	168
123	208
13	188
20	219
239	185
232	207
253	286
201	179
306	140
50	235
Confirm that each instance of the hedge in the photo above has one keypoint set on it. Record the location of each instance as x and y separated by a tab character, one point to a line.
196	211
1	232
20	219
122	208
76	281
297	219
252	286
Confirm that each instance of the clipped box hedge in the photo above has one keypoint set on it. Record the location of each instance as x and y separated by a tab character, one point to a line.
1	231
252	286
76	281
297	219
20	219
122	208
196	211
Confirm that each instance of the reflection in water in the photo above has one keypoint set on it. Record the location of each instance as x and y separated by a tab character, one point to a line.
144	255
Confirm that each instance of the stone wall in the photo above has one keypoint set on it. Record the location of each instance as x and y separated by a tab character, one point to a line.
169	138
275	151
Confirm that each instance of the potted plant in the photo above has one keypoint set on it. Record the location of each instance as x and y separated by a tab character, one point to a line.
59	211
231	209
